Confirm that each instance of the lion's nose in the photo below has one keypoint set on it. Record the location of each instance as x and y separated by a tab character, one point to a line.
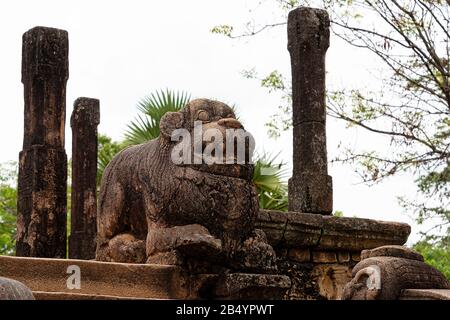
230	123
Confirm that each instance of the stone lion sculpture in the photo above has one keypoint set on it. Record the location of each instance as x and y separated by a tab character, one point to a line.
152	210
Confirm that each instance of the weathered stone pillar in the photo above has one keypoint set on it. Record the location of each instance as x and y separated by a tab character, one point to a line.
42	192
310	188
84	121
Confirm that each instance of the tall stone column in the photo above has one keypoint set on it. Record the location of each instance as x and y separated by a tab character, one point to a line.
84	121
42	189
310	188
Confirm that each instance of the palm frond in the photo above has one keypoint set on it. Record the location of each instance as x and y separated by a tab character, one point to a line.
269	178
153	107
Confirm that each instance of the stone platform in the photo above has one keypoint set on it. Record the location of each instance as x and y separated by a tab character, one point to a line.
319	252
48	279
315	257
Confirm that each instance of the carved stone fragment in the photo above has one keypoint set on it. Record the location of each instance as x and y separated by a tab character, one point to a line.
14	290
385	272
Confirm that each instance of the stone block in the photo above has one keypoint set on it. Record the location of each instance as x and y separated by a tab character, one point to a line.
300	255
343	257
425	294
324	257
97	278
356	234
302	230
252	286
290	229
356	256
331	280
392	251
311	193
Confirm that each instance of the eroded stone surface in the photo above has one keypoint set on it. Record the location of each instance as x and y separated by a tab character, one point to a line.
42	187
290	229
385	277
331	279
252	286
84	121
14	290
392	251
305	230
356	234
310	188
425	294
343	257
300	255
324	257
98	278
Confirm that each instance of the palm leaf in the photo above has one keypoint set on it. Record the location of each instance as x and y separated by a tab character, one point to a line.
153	107
270	181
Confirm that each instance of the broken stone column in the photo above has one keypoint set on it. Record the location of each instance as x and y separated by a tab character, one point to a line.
84	121
310	188
42	187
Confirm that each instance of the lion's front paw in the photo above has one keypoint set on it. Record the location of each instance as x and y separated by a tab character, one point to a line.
256	254
173	244
123	248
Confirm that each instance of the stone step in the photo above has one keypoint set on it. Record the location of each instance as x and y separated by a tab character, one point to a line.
42	295
49	277
425	294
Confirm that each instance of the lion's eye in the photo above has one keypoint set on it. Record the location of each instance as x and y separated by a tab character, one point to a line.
203	116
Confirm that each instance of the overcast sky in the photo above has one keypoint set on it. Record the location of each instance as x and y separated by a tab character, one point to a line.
121	51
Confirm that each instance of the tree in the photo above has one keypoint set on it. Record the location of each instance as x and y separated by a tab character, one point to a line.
411	104
107	149
8	207
436	254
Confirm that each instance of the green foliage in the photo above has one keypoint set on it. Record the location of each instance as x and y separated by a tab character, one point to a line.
153	107
144	128
274	81
107	149
269	178
8	208
338	213
223	29
436	254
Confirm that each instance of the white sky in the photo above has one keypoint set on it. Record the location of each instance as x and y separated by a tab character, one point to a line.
121	51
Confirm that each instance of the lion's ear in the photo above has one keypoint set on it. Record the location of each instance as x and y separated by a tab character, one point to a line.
169	122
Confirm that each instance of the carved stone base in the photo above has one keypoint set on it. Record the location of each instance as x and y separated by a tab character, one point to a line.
242	286
312	193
